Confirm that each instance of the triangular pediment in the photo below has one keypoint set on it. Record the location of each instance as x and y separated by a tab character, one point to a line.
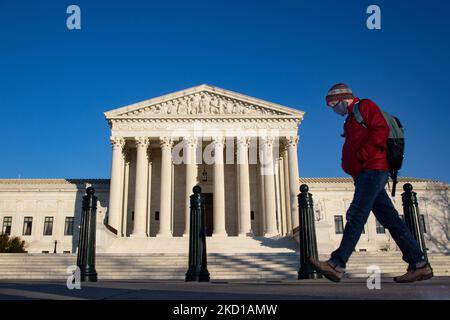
203	101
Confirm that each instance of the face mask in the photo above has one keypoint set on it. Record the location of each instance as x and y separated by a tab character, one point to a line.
341	108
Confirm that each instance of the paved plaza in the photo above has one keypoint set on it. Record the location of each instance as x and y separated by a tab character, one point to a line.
321	289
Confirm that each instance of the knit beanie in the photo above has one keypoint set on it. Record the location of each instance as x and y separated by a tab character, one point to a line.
339	91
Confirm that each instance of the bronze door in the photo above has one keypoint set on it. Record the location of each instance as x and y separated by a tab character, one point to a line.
209	213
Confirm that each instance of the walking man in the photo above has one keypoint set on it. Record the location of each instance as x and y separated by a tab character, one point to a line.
364	158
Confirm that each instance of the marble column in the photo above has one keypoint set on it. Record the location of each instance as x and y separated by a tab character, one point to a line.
140	193
165	207
190	148
149	188
125	216
262	211
219	188
116	184
293	178
283	223
269	187
279	216
244	187
287	193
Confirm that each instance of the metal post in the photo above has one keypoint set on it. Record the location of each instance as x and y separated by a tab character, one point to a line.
412	216
197	270
56	242
86	242
307	234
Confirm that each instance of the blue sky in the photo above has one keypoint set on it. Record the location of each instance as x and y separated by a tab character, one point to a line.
55	83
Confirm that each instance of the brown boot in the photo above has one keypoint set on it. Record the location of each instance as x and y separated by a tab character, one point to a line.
419	274
326	270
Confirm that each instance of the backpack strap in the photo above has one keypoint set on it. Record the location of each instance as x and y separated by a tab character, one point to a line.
357	114
394	174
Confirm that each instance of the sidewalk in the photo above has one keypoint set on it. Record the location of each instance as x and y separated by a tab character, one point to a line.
436	288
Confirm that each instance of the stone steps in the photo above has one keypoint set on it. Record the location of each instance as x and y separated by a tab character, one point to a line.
270	266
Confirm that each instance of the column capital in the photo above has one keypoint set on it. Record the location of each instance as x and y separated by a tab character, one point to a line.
283	147
141	142
219	141
166	142
117	142
292	141
191	141
268	141
242	141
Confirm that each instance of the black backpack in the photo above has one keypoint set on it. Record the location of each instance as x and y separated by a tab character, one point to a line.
395	146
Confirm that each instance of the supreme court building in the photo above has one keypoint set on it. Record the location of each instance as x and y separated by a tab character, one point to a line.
242	151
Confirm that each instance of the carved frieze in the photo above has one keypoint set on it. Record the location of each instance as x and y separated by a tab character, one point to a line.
174	124
202	103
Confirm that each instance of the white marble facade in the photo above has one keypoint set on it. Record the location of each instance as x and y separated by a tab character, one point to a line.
242	151
231	145
61	198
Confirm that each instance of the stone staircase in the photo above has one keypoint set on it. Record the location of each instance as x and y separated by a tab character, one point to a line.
258	266
391	264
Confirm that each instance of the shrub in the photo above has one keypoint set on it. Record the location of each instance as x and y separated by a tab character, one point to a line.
11	245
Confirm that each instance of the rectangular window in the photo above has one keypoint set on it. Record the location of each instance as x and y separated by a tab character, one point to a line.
156	215
339	224
68	226
422	223
380	228
48	226
27	226
7	222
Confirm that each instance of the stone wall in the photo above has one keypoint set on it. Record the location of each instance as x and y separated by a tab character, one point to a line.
61	198
332	197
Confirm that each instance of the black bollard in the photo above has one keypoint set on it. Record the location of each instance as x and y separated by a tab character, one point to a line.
197	270
412	216
86	242
56	243
307	234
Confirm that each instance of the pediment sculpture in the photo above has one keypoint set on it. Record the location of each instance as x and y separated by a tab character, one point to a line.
203	103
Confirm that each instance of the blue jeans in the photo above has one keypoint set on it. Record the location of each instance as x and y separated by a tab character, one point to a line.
370	195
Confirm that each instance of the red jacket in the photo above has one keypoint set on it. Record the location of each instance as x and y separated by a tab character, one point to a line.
365	148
